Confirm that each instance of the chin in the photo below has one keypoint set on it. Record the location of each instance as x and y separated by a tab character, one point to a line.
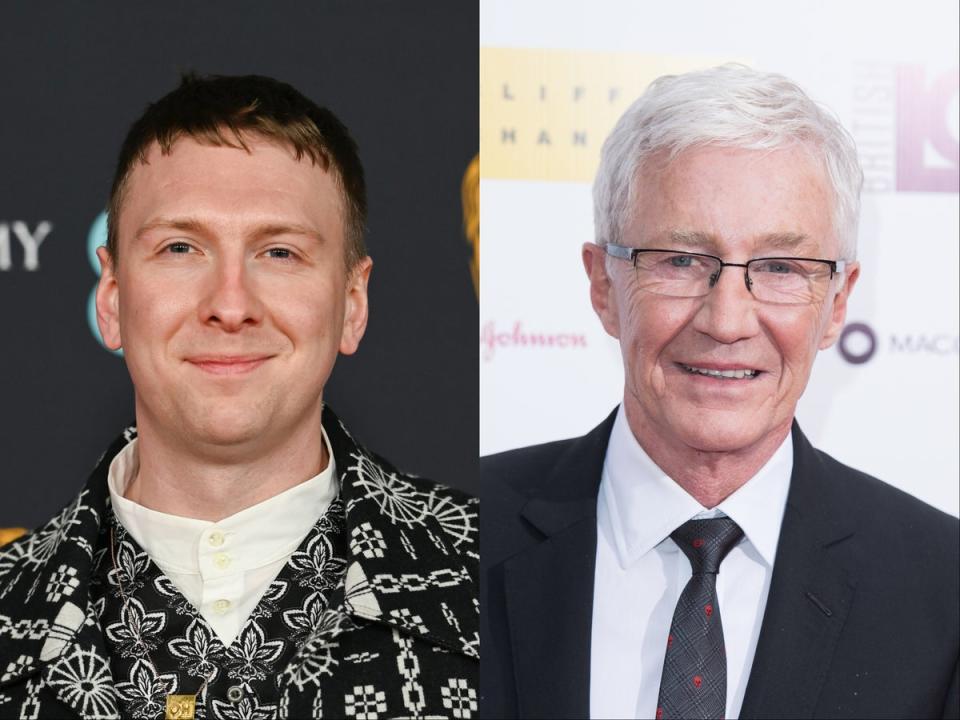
718	431
221	436
226	427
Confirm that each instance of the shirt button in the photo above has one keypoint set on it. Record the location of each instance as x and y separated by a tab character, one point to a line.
221	560
221	606
235	694
215	539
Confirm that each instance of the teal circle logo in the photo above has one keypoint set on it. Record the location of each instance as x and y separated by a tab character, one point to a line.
96	237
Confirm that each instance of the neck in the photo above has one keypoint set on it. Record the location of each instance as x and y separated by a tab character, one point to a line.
709	477
212	483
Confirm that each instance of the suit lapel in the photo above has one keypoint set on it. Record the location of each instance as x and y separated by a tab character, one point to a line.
810	596
549	587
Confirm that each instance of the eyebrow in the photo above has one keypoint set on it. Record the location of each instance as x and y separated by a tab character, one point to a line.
196	227
708	241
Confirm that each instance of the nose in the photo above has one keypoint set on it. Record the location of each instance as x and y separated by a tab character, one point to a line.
728	312
230	301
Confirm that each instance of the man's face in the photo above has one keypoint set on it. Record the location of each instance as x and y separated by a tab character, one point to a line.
738	200
230	298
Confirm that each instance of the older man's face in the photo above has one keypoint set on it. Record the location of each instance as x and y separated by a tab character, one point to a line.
738	199
230	298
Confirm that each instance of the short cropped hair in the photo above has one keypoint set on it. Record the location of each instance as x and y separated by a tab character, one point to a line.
730	106
221	111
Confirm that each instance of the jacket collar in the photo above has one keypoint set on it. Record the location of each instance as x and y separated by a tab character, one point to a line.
568	493
811	591
45	612
46	615
426	584
549	586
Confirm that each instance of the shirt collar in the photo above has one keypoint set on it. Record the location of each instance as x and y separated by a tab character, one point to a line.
643	505
254	537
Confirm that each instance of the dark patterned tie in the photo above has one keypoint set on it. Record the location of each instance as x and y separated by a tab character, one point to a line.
694	681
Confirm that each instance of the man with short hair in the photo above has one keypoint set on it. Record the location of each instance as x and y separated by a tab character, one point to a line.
694	556
238	554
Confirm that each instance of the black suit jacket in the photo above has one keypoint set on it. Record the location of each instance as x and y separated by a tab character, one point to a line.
862	619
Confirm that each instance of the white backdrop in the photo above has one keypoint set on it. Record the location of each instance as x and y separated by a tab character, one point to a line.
554	78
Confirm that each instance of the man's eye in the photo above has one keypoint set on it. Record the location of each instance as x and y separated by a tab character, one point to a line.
682	260
179	248
281	254
780	268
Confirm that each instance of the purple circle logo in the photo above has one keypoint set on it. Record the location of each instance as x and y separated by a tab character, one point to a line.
857	343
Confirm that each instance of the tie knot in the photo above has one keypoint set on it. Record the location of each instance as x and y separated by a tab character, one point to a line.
707	542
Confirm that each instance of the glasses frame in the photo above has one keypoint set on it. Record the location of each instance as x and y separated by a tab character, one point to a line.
837	267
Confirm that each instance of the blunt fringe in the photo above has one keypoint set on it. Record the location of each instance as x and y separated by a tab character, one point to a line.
220	111
727	106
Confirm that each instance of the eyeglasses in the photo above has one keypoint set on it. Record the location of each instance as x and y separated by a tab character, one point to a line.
777	280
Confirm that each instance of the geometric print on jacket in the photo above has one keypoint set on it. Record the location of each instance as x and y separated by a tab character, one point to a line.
374	616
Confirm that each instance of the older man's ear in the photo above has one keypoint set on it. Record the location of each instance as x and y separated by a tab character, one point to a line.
838	313
602	294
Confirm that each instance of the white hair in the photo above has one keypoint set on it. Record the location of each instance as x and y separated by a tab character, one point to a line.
727	106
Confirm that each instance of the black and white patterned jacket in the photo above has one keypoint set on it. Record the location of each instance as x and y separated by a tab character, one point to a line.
374	616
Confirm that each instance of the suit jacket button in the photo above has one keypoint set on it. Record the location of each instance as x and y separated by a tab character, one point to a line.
235	694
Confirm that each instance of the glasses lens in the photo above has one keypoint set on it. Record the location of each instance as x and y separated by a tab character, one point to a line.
675	274
788	280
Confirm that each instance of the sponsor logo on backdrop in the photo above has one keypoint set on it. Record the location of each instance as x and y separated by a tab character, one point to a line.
858	343
19	233
8	535
928	130
545	113
470	200
96	236
906	121
493	339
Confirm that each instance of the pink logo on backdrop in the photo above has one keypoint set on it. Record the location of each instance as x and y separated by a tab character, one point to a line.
928	151
517	337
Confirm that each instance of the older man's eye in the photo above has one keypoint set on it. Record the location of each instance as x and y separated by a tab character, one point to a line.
684	261
778	267
177	248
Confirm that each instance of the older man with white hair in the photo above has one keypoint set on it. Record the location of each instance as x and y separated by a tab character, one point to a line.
694	556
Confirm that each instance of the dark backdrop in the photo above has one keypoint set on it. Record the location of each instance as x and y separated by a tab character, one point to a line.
73	76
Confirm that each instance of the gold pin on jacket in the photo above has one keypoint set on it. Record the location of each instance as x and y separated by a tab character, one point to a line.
180	707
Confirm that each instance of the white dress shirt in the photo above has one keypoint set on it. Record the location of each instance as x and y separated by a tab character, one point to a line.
641	573
223	568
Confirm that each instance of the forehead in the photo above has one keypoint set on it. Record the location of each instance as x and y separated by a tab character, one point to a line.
737	200
230	187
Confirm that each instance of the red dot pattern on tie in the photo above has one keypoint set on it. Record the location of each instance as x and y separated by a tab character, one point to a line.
669	640
659	713
694	658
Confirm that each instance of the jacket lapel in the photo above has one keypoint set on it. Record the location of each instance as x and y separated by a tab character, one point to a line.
47	624
810	595
409	563
549	587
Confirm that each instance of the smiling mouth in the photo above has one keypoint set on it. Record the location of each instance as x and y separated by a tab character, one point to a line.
731	374
228	365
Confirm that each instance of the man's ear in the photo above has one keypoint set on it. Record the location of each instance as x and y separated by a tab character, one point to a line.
356	308
838	314
108	301
602	295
